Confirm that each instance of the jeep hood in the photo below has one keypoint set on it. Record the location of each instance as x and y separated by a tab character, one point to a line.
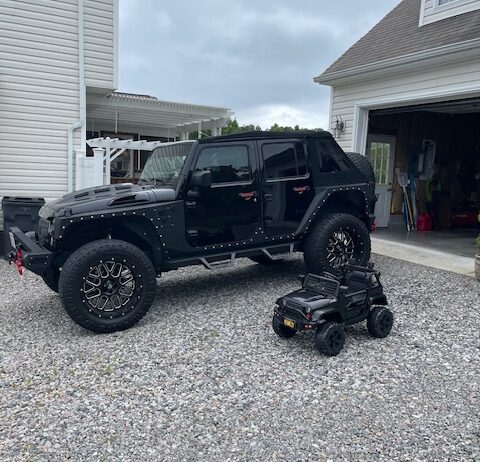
104	198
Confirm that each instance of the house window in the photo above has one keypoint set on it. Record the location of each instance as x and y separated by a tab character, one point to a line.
445	2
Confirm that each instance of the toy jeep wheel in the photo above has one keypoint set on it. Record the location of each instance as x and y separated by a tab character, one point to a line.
281	330
107	285
334	241
380	322
330	338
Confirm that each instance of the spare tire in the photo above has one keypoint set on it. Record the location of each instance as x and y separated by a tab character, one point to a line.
363	164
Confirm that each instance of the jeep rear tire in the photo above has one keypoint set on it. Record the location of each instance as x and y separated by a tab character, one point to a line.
107	285
364	165
333	241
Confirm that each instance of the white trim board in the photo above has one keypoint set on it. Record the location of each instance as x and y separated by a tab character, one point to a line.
362	107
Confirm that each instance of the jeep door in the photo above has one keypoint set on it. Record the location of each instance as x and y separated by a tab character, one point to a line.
287	186
229	210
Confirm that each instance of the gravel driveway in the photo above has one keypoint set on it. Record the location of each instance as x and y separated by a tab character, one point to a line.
203	377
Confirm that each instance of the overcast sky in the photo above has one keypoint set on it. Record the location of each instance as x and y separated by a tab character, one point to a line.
257	57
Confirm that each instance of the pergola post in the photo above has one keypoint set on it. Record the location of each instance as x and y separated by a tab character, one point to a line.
199	130
98	155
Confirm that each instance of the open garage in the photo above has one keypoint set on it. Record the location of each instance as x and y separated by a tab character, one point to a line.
436	149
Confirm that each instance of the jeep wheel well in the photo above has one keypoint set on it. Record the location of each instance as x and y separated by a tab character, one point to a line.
135	230
333	316
351	202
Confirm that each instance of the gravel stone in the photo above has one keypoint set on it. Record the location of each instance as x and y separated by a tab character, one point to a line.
203	377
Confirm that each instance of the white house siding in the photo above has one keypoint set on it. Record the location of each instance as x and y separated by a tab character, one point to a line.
100	43
38	95
400	89
39	89
432	12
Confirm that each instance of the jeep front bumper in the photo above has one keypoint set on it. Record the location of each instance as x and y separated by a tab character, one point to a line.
28	253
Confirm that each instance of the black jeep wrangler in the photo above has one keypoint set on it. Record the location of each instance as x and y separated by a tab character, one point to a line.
257	195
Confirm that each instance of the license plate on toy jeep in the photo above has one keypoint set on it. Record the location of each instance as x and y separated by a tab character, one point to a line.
289	323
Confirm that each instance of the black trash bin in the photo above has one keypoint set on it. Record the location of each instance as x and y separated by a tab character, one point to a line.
21	212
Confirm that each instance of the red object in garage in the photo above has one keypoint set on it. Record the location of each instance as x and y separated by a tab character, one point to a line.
424	222
464	219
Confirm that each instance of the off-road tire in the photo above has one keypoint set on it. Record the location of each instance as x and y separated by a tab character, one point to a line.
364	165
76	269
380	322
317	242
264	260
330	338
51	277
281	330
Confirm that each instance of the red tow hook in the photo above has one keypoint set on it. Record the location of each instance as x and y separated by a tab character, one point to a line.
17	259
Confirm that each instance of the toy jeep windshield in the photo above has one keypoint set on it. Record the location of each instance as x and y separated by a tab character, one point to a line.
257	195
327	303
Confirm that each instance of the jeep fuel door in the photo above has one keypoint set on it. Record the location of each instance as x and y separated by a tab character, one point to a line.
286	185
229	209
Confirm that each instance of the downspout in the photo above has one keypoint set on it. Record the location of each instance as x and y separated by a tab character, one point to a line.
81	97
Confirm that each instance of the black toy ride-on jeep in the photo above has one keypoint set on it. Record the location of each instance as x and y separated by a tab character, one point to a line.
257	195
329	302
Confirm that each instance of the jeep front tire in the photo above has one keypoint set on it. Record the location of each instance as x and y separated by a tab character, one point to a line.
107	285
334	240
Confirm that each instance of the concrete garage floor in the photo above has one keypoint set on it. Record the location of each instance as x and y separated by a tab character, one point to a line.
451	250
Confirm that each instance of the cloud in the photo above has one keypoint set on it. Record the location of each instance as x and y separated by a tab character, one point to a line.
267	115
256	57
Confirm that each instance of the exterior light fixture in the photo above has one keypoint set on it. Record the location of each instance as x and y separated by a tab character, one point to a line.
338	127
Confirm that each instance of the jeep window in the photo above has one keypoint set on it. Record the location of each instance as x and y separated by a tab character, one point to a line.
332	158
165	164
284	160
228	164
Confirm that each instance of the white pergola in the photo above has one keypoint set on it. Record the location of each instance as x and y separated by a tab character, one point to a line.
107	150
133	116
150	116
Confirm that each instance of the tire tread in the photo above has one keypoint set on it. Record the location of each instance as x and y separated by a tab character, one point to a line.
78	260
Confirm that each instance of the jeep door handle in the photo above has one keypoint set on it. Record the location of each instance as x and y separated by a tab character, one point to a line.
249	195
301	189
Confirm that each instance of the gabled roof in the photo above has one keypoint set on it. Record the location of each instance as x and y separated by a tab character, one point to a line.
399	34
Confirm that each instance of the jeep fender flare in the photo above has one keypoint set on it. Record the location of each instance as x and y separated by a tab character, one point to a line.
323	200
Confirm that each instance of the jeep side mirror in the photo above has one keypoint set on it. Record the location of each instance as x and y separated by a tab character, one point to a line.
202	179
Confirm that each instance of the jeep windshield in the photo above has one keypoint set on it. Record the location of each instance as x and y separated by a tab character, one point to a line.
165	164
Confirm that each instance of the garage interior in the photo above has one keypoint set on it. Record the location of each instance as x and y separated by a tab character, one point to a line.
437	147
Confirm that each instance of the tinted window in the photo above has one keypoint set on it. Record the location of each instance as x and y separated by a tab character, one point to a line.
228	164
332	157
284	160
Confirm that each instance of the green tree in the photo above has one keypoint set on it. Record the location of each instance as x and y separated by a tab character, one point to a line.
234	127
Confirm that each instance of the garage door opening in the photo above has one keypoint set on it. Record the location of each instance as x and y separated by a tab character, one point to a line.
436	147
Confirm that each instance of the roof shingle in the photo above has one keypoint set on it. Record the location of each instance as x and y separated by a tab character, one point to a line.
399	34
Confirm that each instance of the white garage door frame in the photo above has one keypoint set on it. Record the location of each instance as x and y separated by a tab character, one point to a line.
363	107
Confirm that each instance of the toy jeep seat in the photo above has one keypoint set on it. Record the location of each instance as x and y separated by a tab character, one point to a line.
358	280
